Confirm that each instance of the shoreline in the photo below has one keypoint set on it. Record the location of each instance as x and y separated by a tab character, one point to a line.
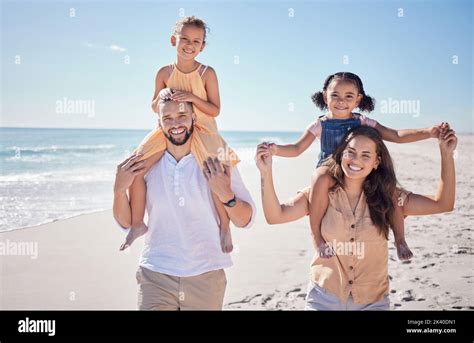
33	226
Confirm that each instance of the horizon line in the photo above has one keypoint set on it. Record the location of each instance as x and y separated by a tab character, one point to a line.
135	129
124	129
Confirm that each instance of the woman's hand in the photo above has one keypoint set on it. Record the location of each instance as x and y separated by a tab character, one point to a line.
126	172
448	141
263	158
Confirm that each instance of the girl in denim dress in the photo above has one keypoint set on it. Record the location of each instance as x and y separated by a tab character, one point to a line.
342	93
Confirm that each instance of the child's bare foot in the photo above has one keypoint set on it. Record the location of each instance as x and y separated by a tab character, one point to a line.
404	253
325	250
226	240
133	234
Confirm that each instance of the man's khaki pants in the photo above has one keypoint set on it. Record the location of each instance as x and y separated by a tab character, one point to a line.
158	291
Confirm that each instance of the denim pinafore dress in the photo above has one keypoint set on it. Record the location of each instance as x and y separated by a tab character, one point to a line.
333	132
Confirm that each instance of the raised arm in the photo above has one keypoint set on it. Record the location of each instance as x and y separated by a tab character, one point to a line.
295	149
161	76
125	174
212	106
298	206
444	199
406	135
276	213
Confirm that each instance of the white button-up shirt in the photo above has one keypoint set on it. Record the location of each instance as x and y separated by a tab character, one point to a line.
183	230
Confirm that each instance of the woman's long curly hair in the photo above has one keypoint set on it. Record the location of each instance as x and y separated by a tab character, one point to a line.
379	186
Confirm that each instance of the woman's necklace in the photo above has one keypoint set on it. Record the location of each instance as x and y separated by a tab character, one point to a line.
357	199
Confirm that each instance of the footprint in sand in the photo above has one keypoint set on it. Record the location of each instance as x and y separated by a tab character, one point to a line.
246	300
457	307
297	289
291	294
302	252
407	296
281	305
266	299
428	265
463	250
425	281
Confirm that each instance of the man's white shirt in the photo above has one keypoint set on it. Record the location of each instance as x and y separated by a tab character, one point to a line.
183	230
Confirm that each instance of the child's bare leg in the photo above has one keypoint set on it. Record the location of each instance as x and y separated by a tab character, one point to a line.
224	226
319	201
404	253
137	193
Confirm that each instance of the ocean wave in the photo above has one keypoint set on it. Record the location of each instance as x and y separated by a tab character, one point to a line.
60	176
272	139
34	158
55	148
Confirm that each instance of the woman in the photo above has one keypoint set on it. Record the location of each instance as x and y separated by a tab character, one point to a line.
358	217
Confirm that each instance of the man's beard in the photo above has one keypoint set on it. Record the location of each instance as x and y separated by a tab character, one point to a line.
185	139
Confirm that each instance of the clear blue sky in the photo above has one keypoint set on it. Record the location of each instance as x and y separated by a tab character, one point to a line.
283	59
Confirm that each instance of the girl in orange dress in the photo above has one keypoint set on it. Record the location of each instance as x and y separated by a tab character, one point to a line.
185	81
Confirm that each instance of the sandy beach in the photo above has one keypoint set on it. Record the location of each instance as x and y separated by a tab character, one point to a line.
78	264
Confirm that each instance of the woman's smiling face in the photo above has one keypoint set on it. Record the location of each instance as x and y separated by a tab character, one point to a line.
359	158
341	98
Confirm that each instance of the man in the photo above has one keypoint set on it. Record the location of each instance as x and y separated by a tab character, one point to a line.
182	264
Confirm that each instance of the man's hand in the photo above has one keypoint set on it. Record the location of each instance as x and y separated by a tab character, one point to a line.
218	176
126	172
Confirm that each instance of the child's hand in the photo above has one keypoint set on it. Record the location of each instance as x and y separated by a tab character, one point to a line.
273	148
166	93
437	130
183	96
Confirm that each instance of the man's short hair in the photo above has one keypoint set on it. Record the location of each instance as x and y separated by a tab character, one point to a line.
165	100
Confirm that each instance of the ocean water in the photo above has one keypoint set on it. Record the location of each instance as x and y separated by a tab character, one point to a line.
50	174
